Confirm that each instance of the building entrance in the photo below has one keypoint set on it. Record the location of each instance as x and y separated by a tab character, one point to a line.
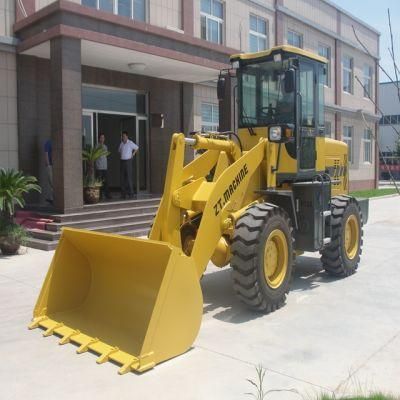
99	120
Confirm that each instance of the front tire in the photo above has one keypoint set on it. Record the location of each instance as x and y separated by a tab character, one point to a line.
262	257
342	256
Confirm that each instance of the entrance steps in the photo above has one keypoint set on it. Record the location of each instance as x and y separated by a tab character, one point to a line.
127	217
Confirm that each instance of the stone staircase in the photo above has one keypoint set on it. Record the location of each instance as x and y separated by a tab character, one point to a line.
127	217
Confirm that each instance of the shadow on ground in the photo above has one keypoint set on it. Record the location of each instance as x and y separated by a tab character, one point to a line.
221	302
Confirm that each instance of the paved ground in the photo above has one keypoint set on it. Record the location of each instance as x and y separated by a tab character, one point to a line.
332	335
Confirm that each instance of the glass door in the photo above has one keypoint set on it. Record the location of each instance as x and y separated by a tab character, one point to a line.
87	129
143	154
138	133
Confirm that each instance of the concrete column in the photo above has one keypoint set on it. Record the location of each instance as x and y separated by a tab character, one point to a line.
187	112
66	122
188	17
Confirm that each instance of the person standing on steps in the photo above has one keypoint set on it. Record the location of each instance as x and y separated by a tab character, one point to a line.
127	150
101	168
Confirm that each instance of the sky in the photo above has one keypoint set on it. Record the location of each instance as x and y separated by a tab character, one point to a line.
374	13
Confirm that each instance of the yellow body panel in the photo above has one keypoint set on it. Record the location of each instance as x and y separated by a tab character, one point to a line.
284	48
331	157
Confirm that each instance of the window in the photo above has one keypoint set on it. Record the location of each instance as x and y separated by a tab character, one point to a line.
117	100
367	145
328	129
325	51
135	9
295	39
262	97
307	95
347	74
212	20
209	117
367	81
258	34
348	139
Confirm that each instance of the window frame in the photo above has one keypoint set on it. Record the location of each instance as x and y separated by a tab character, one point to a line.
115	9
347	139
257	34
300	35
220	22
368	77
326	133
349	71
328	83
212	123
367	141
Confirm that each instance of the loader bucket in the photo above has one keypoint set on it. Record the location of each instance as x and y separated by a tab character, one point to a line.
132	301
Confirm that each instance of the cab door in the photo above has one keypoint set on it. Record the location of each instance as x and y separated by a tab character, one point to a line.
307	118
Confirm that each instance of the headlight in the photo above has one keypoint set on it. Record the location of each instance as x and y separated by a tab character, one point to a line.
275	133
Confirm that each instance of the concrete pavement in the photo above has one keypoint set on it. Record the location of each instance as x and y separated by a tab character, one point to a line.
332	335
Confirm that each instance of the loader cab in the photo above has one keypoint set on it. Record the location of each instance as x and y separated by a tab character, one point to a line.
281	96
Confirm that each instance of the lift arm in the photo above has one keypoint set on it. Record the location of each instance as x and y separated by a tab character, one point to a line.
186	189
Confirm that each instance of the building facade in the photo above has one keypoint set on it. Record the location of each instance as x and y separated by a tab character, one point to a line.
389	131
8	87
150	66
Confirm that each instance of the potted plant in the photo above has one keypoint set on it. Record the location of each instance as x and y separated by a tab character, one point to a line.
13	186
91	185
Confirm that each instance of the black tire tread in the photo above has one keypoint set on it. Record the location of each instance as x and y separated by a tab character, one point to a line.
245	241
331	256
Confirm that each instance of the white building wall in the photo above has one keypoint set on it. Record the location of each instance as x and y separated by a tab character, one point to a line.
311	40
166	13
7	17
366	36
163	13
236	21
314	10
359	169
357	100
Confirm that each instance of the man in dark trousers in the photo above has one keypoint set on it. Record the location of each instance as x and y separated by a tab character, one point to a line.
127	150
101	168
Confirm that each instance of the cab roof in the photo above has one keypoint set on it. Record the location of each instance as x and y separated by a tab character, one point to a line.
278	49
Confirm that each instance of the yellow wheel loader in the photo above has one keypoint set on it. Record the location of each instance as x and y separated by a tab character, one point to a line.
253	198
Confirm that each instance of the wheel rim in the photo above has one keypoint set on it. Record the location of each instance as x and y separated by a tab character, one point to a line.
275	258
351	237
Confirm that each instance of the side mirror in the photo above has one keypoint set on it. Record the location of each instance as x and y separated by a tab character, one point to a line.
221	88
289	81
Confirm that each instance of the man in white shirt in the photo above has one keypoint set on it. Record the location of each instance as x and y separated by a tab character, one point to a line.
127	150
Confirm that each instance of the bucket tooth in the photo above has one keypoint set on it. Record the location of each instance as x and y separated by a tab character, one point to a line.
36	322
85	346
49	331
105	356
128	366
67	338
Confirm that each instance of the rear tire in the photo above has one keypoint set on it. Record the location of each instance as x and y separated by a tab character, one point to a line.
262	257
342	256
